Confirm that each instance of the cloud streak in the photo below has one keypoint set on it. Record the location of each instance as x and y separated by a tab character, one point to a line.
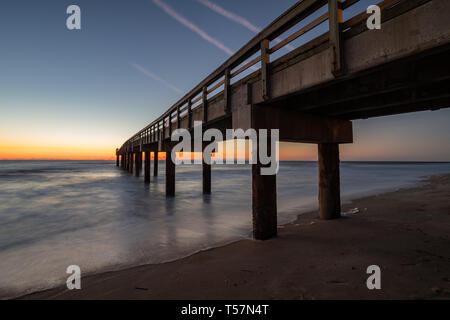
236	18
155	77
230	15
178	17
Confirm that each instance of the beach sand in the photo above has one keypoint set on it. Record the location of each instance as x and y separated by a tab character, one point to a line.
405	232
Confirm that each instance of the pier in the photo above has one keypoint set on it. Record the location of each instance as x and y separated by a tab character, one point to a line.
312	93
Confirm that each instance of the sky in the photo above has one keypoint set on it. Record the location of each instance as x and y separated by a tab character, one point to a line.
79	94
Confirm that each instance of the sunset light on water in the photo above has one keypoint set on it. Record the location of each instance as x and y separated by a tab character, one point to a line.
225	159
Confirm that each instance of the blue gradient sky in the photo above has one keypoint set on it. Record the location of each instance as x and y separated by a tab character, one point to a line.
72	94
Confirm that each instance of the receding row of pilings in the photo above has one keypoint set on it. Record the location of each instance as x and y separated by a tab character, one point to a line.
264	191
132	162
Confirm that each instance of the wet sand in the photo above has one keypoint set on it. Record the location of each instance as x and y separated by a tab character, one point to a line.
405	232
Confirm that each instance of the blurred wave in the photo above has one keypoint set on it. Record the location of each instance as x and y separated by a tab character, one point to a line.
92	214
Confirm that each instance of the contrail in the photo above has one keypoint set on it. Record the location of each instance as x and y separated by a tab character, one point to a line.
236	18
175	15
230	15
155	77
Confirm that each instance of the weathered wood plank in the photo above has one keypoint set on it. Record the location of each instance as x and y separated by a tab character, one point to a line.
205	104
336	45
226	93
299	33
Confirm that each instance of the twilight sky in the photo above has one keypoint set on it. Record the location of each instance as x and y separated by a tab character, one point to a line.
80	94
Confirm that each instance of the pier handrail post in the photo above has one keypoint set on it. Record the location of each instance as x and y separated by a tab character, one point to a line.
265	63
205	104
336	44
189	114
226	91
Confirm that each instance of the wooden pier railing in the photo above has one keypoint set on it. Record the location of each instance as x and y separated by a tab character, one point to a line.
245	58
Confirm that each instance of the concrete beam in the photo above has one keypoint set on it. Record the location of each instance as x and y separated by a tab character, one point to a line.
336	43
417	30
300	127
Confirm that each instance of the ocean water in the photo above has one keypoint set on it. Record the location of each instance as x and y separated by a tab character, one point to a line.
92	214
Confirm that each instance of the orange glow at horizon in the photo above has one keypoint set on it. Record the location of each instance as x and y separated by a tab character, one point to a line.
288	151
56	152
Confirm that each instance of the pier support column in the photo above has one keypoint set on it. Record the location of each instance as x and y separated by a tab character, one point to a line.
264	201
329	181
147	167
206	174
138	163
155	163
131	162
170	172
117	160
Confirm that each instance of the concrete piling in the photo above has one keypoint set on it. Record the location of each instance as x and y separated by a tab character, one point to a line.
329	181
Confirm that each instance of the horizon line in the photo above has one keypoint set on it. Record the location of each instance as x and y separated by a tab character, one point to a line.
285	160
